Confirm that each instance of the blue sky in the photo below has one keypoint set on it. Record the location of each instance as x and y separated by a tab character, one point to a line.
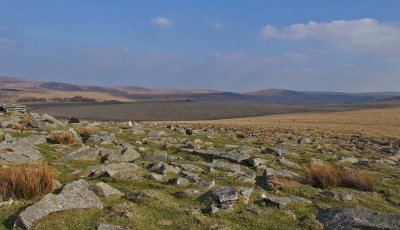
233	45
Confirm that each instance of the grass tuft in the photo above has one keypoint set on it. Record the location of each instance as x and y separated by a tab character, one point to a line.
85	132
25	181
63	138
326	176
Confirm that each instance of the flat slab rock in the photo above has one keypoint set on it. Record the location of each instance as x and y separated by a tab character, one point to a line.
111	227
225	193
233	156
283	201
75	195
357	218
21	151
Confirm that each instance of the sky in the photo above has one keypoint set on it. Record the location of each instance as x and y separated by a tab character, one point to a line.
230	45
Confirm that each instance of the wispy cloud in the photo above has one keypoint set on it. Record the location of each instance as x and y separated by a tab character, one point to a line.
162	21
7	41
362	34
218	25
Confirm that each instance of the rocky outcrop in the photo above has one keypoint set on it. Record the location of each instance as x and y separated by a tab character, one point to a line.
75	195
357	218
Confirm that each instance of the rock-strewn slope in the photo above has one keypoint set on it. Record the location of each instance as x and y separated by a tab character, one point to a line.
149	176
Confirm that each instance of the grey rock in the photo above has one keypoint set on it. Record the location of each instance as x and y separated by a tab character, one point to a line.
337	195
77	137
156	156
304	141
136	196
191	210
85	153
288	163
212	209
169	169
189	193
179	181
101	138
270	173
124	154
20	151
253	161
75	195
189	131
280	152
357	218
223	165
156	177
111	227
245	194
191	176
104	190
116	170
249	177
206	183
283	201
12	108
233	156
224	194
73	120
351	160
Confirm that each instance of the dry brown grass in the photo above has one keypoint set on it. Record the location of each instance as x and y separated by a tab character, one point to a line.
64	138
19	127
375	123
25	120
25	181
240	135
327	176
85	132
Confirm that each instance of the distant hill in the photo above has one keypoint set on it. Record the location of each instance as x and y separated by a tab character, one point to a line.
14	89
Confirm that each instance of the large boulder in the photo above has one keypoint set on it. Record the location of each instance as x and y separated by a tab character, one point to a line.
85	153
21	151
75	195
357	218
123	154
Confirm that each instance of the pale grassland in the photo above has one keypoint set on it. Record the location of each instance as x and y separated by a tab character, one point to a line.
369	122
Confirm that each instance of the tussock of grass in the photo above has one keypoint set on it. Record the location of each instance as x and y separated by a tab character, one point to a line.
326	176
25	120
85	132
19	127
63	138
25	181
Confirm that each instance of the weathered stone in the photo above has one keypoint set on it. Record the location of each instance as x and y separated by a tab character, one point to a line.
85	153
350	160
288	163
124	154
115	170
224	194
304	141
179	181
189	131
104	190
169	169
206	183
283	201
270	174
253	161
233	156
337	195
156	177
75	195
223	165
101	138
111	227
20	151
280	152
249	177
357	218
135	196
156	156
245	194
77	137
73	120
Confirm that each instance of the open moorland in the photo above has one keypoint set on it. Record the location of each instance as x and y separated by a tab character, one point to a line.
329	170
188	110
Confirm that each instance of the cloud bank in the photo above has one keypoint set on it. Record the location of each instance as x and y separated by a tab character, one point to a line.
362	34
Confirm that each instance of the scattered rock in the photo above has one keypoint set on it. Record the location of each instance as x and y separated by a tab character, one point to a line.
73	120
104	190
111	227
85	153
283	201
75	195
101	138
357	218
225	193
337	195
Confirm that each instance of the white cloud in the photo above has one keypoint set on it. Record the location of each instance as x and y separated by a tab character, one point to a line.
218	25
162	21
362	34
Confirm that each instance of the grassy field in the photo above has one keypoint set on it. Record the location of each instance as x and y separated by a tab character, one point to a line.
383	122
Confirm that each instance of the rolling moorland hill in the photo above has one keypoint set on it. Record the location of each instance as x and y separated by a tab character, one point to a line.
16	89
